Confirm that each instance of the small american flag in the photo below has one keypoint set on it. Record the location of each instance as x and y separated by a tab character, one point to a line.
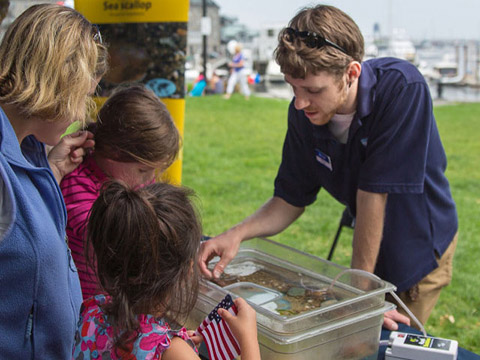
220	342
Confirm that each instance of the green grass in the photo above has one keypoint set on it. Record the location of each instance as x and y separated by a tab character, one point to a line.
231	156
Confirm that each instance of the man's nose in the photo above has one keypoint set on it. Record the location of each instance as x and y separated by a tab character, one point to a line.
301	103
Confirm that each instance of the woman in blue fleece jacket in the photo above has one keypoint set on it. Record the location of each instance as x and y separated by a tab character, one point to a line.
50	60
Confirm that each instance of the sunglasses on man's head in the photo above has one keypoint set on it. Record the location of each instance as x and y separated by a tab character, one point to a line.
311	39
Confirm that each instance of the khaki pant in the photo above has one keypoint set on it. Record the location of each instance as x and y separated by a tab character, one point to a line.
422	297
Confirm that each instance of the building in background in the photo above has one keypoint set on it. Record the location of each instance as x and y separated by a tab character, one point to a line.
4	4
194	36
232	29
225	30
11	9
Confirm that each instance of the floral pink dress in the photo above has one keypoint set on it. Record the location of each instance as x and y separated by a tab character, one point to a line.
94	336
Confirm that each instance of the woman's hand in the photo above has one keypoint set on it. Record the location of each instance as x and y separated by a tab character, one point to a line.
69	153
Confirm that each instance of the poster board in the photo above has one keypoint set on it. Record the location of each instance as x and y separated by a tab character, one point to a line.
147	41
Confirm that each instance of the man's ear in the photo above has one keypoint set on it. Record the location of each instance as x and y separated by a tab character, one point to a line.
353	71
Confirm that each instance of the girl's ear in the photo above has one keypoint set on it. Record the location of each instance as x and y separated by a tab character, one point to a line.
105	164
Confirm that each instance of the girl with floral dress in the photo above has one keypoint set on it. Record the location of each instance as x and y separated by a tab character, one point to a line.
145	244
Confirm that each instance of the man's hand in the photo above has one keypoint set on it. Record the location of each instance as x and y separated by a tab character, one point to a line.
225	245
69	152
392	317
271	218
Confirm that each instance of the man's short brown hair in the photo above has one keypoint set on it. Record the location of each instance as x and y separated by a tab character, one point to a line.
297	59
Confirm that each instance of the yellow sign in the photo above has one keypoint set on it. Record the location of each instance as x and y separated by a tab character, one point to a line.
177	110
146	41
133	11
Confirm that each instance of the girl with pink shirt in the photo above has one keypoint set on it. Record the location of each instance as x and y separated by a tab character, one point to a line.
134	137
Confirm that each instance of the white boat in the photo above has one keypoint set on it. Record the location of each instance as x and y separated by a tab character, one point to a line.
446	68
449	70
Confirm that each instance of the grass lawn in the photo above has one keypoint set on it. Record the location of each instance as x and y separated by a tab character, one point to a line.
231	156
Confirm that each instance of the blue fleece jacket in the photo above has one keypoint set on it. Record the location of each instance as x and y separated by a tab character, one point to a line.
40	292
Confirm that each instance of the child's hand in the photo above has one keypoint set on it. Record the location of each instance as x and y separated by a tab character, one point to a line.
244	324
244	328
196	339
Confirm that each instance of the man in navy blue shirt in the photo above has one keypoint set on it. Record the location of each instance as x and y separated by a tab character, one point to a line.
366	133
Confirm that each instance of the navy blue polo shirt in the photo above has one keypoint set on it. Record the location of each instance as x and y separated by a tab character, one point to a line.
393	147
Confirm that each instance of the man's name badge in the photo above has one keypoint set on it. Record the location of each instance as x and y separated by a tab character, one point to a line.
323	159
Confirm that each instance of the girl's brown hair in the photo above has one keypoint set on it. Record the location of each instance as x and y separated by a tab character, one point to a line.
50	58
134	125
297	59
145	244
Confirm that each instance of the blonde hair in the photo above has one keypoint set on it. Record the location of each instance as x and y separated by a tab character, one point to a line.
50	58
297	59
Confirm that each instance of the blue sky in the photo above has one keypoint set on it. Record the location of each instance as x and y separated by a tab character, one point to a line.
422	19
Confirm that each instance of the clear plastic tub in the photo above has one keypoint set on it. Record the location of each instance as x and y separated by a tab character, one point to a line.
300	313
